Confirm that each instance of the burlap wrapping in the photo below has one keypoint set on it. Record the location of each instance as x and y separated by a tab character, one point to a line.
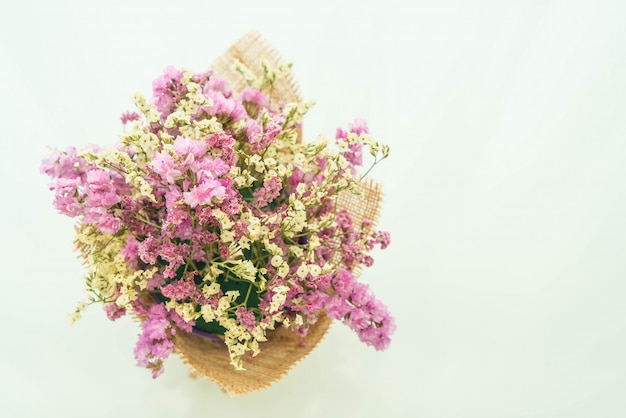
251	50
209	358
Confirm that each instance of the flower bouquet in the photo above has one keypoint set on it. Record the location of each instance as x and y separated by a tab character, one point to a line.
233	242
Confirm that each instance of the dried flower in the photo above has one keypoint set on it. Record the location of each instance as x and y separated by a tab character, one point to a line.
210	214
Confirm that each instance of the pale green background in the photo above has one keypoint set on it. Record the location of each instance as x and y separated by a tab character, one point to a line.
505	197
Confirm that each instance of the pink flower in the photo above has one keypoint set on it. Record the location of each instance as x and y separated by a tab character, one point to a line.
254	96
65	164
359	126
378	336
67	195
166	88
184	145
106	222
356	307
114	311
131	251
354	155
261	136
358	320
223	105
100	190
179	322
148	250
246	318
155	282
314	302
344	220
366	260
174	255
337	307
222	145
382	238
340	134
154	344
266	194
210	168
128	117
180	290
253	131
342	282
204	193
203	77
218	84
165	165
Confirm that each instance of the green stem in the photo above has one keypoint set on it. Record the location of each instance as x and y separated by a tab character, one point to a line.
376	161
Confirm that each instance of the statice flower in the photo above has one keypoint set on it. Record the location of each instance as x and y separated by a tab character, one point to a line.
356	306
254	100
114	311
155	344
213	215
268	192
129	117
166	89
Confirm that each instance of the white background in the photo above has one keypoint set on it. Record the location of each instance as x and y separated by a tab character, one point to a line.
505	197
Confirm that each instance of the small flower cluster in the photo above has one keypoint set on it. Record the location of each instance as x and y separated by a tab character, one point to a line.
210	214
